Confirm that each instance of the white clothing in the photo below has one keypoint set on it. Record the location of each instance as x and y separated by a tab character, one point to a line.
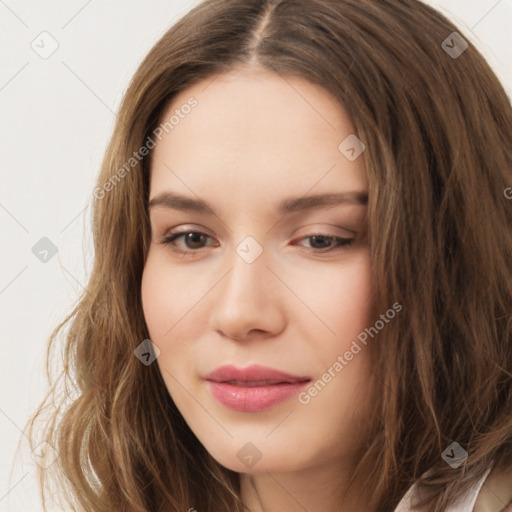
464	504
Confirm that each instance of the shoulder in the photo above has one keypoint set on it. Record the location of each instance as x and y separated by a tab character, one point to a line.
496	493
492	493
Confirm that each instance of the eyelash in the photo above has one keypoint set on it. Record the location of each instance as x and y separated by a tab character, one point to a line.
168	239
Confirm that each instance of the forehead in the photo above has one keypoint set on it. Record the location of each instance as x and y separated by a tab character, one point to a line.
254	133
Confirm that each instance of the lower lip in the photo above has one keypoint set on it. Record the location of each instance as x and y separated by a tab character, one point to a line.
256	398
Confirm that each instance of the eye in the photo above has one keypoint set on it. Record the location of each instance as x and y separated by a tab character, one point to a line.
193	241
326	243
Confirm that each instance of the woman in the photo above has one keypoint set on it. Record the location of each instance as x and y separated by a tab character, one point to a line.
302	290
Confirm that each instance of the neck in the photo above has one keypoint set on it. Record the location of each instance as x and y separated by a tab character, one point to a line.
317	488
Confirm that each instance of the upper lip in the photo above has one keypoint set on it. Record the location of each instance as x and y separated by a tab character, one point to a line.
253	373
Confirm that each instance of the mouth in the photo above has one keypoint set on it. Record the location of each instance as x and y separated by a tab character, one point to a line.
255	383
254	388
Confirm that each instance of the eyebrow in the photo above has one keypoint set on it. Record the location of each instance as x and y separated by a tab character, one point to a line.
176	201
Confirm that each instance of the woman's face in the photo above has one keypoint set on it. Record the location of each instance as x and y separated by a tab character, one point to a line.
267	276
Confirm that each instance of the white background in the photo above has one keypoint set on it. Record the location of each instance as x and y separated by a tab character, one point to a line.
57	115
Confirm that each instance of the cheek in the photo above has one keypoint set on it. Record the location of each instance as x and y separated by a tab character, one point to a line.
353	301
342	393
162	306
155	299
339	297
171	302
168	295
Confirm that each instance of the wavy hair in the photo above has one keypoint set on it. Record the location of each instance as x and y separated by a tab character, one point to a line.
438	135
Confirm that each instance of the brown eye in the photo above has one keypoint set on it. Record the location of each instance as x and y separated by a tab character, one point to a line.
327	243
192	240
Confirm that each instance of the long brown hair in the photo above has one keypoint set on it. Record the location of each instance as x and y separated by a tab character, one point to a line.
438	134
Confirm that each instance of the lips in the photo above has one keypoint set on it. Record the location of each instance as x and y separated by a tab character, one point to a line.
252	374
254	388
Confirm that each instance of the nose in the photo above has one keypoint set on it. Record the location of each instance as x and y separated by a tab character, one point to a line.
248	301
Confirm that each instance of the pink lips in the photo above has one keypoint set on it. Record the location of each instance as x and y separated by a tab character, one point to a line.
254	388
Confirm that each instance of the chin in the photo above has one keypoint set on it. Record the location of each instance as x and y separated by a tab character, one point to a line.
255	458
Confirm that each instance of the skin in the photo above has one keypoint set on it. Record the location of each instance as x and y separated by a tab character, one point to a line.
254	139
